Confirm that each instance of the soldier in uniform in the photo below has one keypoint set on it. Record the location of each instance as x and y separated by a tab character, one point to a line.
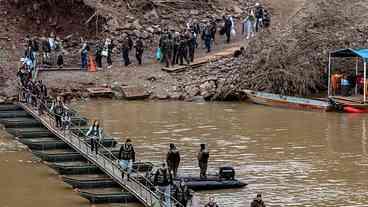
173	160
167	49
126	157
125	48
183	49
203	156
176	41
139	47
182	193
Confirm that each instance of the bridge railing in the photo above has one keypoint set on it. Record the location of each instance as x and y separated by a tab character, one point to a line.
138	184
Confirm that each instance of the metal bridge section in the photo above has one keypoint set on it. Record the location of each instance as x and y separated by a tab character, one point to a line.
105	161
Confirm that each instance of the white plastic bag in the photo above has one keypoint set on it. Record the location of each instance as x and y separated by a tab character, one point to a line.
233	32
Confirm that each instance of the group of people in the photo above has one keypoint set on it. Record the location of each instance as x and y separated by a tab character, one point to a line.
103	49
256	19
45	50
344	83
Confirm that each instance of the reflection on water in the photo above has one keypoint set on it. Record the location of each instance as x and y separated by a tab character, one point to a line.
295	158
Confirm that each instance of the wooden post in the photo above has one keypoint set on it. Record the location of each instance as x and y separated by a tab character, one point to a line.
329	75
365	80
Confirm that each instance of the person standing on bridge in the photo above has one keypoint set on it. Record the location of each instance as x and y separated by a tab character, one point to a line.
95	134
58	109
203	156
126	157
173	160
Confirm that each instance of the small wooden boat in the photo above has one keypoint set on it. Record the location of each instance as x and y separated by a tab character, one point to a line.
276	100
20	122
45	143
13	114
108	195
80	167
66	155
34	132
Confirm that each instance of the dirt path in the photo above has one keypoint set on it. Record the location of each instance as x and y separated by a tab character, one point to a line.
161	84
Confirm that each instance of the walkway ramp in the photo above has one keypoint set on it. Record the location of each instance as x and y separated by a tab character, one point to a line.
106	162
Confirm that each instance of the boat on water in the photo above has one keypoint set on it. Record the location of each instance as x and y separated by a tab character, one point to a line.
277	100
108	195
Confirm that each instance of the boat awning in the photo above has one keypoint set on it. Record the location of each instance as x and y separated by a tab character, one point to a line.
362	53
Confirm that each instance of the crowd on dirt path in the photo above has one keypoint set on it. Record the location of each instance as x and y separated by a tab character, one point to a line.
174	47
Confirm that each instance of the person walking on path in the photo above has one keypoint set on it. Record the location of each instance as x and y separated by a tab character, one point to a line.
173	160
259	17
125	48
98	55
203	156
207	38
248	25
58	109
139	48
227	26
126	157
95	134
258	202
84	56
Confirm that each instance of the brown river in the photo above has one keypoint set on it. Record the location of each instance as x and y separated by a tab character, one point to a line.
294	158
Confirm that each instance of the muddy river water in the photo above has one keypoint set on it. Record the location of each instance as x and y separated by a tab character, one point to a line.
294	158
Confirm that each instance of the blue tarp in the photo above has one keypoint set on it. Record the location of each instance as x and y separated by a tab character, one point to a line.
363	53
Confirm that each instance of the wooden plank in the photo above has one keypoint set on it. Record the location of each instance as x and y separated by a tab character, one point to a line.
134	92
175	69
100	91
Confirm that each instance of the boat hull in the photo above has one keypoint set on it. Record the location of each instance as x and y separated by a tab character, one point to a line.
275	100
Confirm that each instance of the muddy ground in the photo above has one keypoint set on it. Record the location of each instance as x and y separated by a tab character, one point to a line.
160	84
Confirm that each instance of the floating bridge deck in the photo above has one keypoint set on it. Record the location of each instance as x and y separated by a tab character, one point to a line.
105	162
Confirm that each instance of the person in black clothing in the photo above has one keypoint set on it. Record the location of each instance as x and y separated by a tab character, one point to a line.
257	202
192	42
110	47
203	157
98	55
58	109
176	43
266	18
173	160
125	48
162	177
139	48
207	38
213	30
227	26
126	157
259	16
183	49
95	134
211	203
182	193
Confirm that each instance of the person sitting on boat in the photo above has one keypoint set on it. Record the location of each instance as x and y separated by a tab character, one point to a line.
203	156
95	135
345	86
58	109
258	202
66	120
211	203
173	160
126	157
182	193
